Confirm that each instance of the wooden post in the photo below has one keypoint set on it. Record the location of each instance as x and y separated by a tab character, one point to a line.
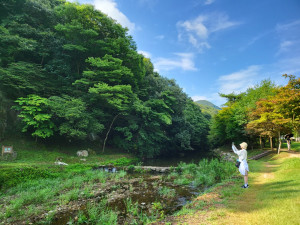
279	142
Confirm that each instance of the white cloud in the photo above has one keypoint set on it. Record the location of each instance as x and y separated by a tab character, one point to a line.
289	36
160	37
195	26
287	26
285	46
184	61
110	8
197	98
239	81
236	82
197	31
289	66
208	2
146	54
255	39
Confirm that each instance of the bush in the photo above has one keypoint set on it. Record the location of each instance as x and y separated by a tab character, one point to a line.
78	168
122	161
10	177
205	173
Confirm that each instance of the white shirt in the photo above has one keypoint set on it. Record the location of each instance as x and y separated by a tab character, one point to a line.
243	159
241	153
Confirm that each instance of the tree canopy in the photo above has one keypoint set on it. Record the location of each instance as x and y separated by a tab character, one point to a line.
265	110
72	72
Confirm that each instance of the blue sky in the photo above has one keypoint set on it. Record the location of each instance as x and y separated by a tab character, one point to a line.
213	46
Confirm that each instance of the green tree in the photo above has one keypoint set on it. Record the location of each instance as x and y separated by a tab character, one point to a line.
230	123
72	117
35	116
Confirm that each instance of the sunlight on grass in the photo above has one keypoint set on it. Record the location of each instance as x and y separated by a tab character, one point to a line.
273	198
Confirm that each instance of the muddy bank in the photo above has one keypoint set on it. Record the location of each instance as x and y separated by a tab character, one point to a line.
142	190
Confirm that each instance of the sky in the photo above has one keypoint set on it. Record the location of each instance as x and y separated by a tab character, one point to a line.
213	46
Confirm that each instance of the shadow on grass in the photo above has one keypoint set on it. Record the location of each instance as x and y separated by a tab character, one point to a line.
278	191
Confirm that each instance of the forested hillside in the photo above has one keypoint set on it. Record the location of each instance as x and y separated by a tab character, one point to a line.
208	108
261	115
69	72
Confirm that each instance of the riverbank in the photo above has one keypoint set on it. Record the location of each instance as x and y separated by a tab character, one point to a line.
273	196
36	190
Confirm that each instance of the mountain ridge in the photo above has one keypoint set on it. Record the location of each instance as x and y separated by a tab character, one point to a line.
207	103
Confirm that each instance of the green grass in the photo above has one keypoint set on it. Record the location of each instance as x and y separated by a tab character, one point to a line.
295	146
36	160
205	173
30	152
47	193
32	183
273	196
167	192
96	214
278	199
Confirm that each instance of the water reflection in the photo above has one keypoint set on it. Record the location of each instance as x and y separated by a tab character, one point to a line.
187	157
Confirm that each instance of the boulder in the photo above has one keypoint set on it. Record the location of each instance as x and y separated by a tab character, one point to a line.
82	153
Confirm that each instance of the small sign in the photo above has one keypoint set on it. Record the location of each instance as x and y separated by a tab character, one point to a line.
7	149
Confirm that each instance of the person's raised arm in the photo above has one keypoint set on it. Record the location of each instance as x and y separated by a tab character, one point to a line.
235	150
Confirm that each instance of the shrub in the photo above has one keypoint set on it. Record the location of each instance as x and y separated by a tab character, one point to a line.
10	177
205	173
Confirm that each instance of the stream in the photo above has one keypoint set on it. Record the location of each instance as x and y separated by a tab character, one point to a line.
143	190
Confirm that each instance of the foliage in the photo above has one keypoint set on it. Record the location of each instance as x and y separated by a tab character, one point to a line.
12	176
167	192
89	82
206	173
73	118
121	161
33	111
230	123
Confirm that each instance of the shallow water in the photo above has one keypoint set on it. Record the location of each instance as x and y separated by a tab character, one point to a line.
186	157
140	188
143	189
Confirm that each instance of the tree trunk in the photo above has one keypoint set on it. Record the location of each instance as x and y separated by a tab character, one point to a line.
288	144
279	142
271	143
260	142
42	60
109	131
78	67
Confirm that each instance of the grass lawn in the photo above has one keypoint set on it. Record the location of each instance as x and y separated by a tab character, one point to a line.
295	146
32	153
36	160
32	184
273	196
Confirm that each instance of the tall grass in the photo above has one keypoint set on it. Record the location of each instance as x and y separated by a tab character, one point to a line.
206	173
96	213
47	193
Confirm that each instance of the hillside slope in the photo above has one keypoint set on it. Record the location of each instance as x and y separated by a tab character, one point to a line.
208	107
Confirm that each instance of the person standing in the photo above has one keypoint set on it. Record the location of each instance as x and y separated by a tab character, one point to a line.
288	140
243	168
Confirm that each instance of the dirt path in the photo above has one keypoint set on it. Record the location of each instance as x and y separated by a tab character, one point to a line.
248	208
241	209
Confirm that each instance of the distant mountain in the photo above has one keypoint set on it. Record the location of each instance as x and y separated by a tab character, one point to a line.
207	103
208	107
